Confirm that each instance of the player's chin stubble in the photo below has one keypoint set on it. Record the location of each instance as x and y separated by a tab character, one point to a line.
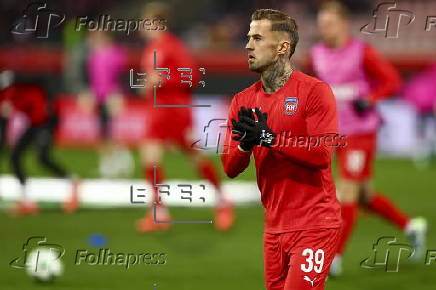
255	67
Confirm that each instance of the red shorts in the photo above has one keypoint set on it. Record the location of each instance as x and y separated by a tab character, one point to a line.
299	260
170	125
356	159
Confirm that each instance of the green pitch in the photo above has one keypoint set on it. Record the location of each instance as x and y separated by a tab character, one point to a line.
197	256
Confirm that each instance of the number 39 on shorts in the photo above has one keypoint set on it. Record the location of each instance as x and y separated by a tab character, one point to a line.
314	260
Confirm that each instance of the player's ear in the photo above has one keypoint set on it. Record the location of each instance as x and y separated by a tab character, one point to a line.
284	46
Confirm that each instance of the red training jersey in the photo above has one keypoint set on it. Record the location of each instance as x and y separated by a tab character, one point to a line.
29	99
296	184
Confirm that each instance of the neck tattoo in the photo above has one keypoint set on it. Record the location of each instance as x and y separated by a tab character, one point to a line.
276	76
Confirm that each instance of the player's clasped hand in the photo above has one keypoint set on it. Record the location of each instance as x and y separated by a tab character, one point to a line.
246	142
250	132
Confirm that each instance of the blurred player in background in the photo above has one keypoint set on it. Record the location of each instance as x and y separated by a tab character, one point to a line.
31	100
421	93
171	125
302	214
105	63
359	77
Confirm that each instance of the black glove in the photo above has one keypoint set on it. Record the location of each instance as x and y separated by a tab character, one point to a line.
361	106
251	132
245	112
245	144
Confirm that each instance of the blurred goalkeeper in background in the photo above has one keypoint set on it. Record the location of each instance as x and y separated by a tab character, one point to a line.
171	125
359	77
105	62
32	101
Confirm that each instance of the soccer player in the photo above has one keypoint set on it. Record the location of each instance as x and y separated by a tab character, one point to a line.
171	125
31	100
359	77
105	63
302	214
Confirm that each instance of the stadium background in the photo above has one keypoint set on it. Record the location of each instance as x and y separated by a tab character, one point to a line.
198	257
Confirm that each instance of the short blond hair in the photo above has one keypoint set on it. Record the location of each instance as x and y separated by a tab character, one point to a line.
280	22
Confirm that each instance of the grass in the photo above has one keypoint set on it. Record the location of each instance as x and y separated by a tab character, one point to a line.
199	257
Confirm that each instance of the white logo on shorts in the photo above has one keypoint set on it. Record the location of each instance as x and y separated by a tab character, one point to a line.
306	278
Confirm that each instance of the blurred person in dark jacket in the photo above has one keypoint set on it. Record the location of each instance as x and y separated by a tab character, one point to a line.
31	100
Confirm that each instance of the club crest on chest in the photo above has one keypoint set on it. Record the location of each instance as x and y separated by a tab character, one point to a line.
290	105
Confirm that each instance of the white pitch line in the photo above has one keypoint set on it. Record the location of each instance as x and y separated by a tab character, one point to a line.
105	192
